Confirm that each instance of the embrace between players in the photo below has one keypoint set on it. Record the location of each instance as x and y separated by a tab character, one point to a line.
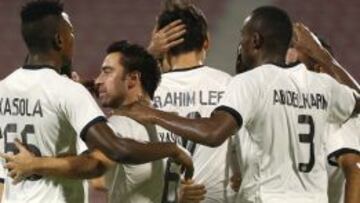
278	113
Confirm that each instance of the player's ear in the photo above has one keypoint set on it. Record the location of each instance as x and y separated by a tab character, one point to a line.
257	40
133	79
206	45
57	42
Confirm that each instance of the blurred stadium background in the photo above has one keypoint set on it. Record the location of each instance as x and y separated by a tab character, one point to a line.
98	23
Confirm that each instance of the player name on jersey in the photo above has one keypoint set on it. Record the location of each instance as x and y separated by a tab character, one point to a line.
169	137
300	100
206	98
20	107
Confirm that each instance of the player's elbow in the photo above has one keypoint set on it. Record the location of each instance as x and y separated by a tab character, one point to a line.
214	140
350	166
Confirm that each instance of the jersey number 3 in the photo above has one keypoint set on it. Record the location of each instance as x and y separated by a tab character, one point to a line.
308	139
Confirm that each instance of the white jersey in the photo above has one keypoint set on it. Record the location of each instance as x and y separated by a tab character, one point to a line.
135	183
345	139
193	93
285	112
47	112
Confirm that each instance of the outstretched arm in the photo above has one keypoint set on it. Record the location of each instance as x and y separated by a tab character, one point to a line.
307	43
84	166
124	150
211	131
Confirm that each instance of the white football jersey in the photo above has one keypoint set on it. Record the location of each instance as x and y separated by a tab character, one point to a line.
128	183
285	112
344	139
193	93
47	112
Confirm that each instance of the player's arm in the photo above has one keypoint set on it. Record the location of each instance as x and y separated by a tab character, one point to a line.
350	164
84	166
306	42
211	131
124	150
89	122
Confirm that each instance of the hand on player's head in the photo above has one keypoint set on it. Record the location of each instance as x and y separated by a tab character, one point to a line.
19	165
169	36
304	40
191	192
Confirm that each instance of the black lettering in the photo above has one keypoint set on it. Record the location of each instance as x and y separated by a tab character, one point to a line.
201	99
16	107
38	109
7	107
213	97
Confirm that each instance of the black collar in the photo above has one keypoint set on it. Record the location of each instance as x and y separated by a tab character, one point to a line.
38	67
185	69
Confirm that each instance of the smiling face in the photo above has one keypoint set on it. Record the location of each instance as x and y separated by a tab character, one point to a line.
112	82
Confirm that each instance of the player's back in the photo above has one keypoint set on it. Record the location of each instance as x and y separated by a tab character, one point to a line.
196	93
285	112
32	110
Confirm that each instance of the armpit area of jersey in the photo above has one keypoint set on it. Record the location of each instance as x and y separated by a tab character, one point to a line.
232	112
334	155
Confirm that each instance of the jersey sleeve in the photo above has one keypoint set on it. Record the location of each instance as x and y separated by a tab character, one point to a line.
80	109
344	140
240	98
342	102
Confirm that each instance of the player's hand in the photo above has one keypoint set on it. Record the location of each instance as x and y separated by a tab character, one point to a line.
19	165
169	36
190	192
235	182
307	43
139	111
183	157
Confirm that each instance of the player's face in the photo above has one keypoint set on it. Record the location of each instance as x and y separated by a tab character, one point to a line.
66	34
112	82
246	55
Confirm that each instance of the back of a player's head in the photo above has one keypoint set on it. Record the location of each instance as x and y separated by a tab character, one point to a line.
274	25
196	27
39	24
136	58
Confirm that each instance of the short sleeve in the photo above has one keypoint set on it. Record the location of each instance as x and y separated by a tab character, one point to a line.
80	108
344	140
240	98
342	102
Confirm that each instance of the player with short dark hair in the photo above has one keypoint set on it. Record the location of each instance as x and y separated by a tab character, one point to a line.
196	27
191	88
283	108
50	112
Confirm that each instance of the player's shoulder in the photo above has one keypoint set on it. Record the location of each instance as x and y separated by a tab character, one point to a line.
126	126
67	86
265	72
216	72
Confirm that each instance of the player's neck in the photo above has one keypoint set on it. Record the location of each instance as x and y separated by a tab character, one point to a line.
272	59
136	96
187	60
49	59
